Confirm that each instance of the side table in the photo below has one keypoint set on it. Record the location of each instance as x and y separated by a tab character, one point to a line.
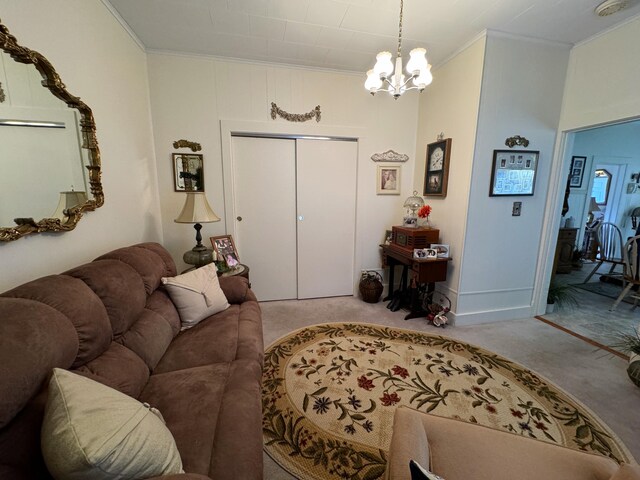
241	270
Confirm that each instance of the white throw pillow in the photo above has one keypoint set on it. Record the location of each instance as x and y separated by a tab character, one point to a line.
197	294
91	431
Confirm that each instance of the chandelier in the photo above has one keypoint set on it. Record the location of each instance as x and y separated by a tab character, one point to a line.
383	78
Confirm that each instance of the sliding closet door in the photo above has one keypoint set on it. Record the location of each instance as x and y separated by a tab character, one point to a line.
326	217
265	208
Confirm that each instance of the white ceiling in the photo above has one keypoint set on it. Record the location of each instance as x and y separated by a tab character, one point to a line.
347	34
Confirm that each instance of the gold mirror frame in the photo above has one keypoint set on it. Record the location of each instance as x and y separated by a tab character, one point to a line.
51	81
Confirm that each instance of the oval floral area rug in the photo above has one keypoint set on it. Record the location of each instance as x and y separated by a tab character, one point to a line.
330	392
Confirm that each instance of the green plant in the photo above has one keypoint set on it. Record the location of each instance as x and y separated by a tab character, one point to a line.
627	343
563	295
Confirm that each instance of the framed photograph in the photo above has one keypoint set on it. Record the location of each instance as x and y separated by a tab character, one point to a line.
388	180
225	250
188	172
419	253
577	171
431	253
409	221
441	249
513	172
436	172
388	237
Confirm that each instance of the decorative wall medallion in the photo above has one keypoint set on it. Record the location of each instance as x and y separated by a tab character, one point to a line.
295	117
195	147
389	156
2	97
516	140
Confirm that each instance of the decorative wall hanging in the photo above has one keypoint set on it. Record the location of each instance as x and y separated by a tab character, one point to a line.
295	117
2	97
436	174
388	180
513	172
577	171
188	172
516	140
194	146
389	156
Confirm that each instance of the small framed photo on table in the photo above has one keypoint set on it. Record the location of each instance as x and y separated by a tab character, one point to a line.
441	249
225	250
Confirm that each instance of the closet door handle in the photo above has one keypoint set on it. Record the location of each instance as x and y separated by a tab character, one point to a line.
301	217
239	218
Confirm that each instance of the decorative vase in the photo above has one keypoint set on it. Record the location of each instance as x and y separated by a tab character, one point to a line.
424	223
633	370
371	286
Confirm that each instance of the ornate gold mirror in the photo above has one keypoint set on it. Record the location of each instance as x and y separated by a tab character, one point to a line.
49	157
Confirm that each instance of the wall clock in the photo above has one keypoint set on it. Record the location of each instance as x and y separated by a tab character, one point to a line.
436	175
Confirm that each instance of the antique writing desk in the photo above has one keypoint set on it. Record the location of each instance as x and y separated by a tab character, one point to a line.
422	271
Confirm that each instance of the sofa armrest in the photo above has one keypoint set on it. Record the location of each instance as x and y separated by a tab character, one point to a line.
181	476
459	450
409	444
236	289
627	472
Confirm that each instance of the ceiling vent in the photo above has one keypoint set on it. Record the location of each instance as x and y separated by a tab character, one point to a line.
609	7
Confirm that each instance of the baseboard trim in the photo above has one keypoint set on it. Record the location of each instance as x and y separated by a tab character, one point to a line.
588	340
475	318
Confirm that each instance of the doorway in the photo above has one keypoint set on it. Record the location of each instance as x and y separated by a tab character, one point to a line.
294	209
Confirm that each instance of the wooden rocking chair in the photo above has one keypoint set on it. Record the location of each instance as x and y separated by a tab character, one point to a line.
610	248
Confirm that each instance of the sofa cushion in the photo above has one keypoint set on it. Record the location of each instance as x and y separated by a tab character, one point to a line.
91	431
74	299
148	264
119	368
190	402
232	334
149	337
120	289
197	294
160	303
34	338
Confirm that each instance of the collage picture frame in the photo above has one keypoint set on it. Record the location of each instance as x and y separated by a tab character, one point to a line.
576	175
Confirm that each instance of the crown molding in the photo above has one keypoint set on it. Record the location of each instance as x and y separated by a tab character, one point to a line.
479	36
514	36
609	30
124	24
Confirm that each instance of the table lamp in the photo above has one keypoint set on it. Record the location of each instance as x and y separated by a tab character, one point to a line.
197	210
68	200
593	207
413	203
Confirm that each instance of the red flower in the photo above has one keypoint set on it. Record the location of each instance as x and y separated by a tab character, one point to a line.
424	212
540	426
517	413
388	400
491	409
402	372
364	382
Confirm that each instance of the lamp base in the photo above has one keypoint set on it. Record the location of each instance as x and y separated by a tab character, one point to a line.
198	256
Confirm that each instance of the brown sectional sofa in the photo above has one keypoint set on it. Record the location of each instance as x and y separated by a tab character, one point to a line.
112	321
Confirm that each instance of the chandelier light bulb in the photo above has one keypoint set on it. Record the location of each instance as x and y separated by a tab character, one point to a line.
373	82
384	65
417	61
424	79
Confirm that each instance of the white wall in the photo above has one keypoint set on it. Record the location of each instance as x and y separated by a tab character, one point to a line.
450	106
100	63
522	90
191	95
601	87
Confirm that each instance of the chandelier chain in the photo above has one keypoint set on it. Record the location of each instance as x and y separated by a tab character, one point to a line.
400	31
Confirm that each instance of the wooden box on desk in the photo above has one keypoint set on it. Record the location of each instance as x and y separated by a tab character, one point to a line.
410	238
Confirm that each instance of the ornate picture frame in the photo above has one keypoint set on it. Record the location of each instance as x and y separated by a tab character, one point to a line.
513	173
388	180
188	172
225	250
436	170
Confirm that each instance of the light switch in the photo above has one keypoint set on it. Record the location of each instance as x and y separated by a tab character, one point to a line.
517	207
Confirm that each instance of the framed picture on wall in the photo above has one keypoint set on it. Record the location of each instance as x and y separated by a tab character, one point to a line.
188	172
388	180
577	171
225	250
513	172
436	172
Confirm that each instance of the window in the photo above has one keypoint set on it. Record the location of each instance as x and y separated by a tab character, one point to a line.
601	184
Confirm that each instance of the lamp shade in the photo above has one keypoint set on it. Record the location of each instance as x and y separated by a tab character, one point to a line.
593	206
196	210
384	65
68	200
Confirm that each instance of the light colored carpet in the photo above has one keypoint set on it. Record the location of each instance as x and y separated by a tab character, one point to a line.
330	392
594	377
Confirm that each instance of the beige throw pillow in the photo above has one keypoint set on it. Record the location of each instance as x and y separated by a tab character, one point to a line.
91	431
197	294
